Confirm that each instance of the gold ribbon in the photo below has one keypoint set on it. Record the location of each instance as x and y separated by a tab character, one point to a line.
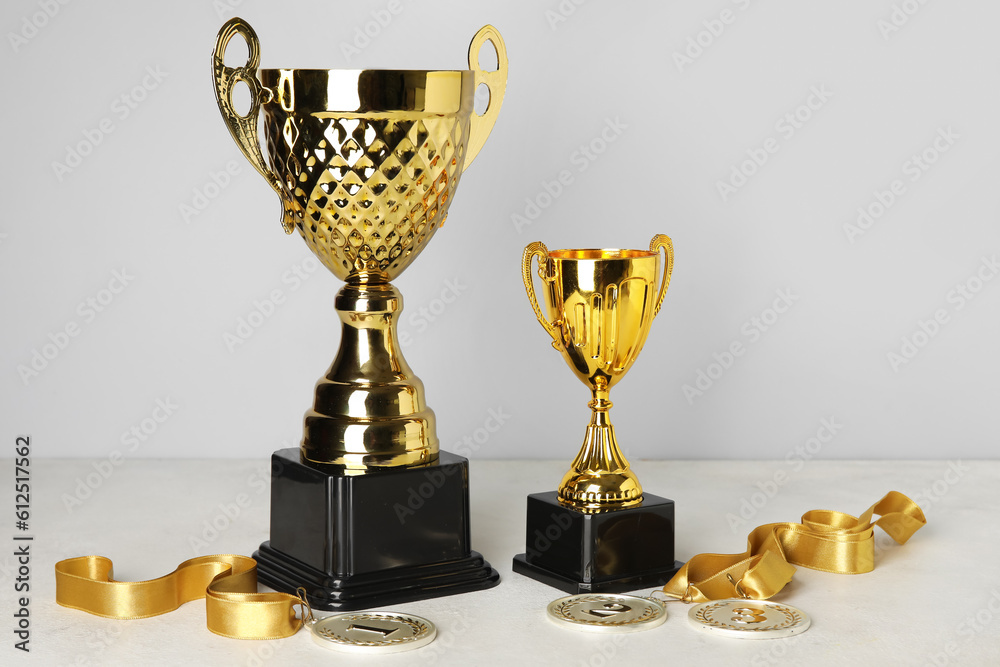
228	583
825	540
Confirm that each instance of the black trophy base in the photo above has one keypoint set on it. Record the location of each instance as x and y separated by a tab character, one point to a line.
381	538
403	584
608	552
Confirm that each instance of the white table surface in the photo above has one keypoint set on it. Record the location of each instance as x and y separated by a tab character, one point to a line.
934	601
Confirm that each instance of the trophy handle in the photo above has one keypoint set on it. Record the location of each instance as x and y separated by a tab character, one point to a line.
495	81
663	241
538	248
243	128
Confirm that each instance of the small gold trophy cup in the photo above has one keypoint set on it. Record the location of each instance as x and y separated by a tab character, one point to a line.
366	163
598	532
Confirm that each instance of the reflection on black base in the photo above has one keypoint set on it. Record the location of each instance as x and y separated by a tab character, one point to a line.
361	541
607	552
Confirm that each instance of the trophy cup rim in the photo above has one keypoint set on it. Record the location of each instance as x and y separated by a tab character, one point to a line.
376	70
369	91
601	254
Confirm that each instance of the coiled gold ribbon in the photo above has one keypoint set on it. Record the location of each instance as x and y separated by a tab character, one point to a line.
824	540
228	583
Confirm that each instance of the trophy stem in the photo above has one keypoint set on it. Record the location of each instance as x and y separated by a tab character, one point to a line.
369	410
599	477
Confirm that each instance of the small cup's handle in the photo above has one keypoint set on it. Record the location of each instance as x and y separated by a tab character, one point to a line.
662	241
480	126
538	248
243	128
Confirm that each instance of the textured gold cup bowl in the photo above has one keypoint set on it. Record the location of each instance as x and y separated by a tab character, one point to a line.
368	160
600	304
365	163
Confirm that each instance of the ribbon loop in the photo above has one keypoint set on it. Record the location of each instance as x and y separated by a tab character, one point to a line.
228	583
825	540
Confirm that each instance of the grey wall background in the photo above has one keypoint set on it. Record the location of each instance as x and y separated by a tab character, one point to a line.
888	106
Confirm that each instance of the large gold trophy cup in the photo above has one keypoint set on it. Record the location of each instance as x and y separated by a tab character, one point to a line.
598	532
366	163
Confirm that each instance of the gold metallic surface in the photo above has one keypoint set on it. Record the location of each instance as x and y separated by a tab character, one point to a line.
825	540
243	128
228	583
366	163
600	305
